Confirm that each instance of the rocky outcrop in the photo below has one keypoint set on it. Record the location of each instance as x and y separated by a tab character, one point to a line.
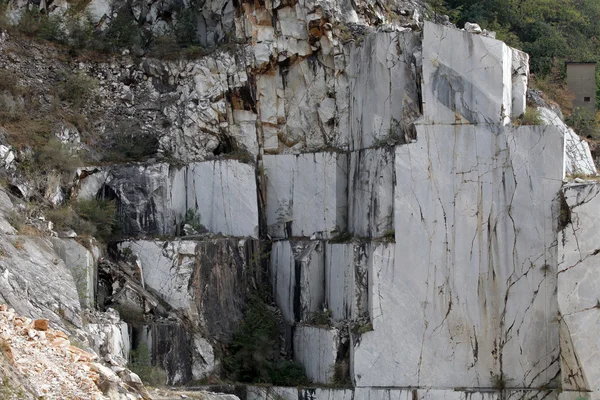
204	284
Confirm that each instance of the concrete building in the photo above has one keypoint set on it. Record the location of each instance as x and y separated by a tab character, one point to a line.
581	80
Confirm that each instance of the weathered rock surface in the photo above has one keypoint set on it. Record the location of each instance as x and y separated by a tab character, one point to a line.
36	282
578	288
306	194
82	264
475	234
371	180
466	77
346	280
155	199
578	158
317	349
298	276
206	282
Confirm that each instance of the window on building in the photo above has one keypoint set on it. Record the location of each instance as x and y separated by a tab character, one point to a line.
586	99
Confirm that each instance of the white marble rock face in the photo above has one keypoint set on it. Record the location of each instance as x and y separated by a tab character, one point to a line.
579	288
316	348
223	193
167	267
298	278
371	192
469	295
346	279
306	194
466	77
383	87
82	264
153	199
578	157
520	78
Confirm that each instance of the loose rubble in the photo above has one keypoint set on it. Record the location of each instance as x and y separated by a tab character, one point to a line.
55	368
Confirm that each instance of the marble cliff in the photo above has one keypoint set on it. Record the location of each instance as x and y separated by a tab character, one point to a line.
375	167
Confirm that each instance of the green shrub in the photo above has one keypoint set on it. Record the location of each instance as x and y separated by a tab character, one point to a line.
141	364
254	351
288	373
186	28
320	317
123	32
341	374
164	46
78	88
254	345
52	29
93	217
130	144
360	329
30	22
101	213
192	218
342	237
54	155
65	218
81	33
583	121
531	116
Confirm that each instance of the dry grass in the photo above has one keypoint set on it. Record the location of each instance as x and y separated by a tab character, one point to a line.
19	244
585	177
29	230
555	90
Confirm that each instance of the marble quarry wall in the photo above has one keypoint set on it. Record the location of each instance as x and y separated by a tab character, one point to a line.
395	193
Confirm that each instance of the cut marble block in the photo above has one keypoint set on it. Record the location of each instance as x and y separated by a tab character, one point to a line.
466	77
167	267
469	296
578	157
533	394
82	264
271	393
293	393
346	279
329	394
306	194
223	193
110	339
174	349
316	348
154	199
371	192
384	100
579	287
441	394
520	78
297	271
383	394
438	394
